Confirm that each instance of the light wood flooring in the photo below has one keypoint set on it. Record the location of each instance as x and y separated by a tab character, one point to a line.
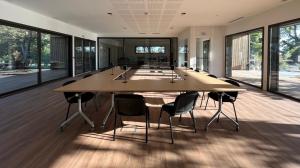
269	134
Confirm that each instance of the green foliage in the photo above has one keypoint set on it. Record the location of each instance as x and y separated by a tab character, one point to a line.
256	48
17	45
289	46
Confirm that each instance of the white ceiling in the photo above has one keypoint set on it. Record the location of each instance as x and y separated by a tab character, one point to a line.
146	17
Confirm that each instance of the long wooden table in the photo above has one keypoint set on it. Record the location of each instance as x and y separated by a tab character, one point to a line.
106	81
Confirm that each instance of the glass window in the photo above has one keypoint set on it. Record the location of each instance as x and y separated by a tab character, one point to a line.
85	55
244	53
285	59
18	58
54	56
141	50
157	50
79	68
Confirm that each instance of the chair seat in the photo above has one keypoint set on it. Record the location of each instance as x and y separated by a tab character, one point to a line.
169	108
225	98
84	98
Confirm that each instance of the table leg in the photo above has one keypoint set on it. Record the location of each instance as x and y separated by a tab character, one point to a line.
221	112
110	110
63	124
217	113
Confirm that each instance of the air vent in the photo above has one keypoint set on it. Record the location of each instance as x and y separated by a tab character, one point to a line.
236	19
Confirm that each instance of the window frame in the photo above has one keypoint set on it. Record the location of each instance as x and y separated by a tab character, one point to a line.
39	32
263	55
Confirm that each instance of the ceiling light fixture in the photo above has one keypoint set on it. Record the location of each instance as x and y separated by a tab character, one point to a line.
109	13
183	13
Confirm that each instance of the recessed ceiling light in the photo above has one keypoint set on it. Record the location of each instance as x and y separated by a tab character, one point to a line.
146	13
183	13
109	13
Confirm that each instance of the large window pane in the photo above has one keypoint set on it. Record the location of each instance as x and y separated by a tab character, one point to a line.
54	57
79	56
244	57
285	59
18	58
85	55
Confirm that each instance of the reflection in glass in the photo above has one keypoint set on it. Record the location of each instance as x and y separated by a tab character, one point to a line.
285	59
18	58
54	56
244	57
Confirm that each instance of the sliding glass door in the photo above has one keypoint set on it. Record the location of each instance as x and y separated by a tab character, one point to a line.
244	57
54	56
284	59
29	57
206	55
85	55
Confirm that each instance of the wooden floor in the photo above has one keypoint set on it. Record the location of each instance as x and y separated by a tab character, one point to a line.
269	134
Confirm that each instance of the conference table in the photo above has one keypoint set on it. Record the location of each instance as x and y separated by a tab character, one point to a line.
111	81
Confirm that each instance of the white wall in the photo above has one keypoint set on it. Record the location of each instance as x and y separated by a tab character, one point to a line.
216	35
13	13
288	11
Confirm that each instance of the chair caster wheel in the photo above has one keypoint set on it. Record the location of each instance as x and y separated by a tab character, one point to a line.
237	129
205	129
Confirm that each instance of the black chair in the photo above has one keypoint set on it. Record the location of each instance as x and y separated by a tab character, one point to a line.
203	95
131	105
197	70
72	98
184	103
227	97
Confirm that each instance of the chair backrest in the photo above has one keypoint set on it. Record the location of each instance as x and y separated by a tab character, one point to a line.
69	95
213	76
185	102
130	104
87	75
232	94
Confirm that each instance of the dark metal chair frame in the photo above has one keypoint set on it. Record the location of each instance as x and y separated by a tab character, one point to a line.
131	105
177	105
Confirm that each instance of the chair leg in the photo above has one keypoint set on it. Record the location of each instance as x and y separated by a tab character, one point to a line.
180	117
237	128
202	99
115	125
68	111
194	121
170	121
161	110
236	119
148	118
206	103
122	124
147	123
215	103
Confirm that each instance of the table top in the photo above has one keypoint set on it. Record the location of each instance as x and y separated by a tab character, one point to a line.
105	82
